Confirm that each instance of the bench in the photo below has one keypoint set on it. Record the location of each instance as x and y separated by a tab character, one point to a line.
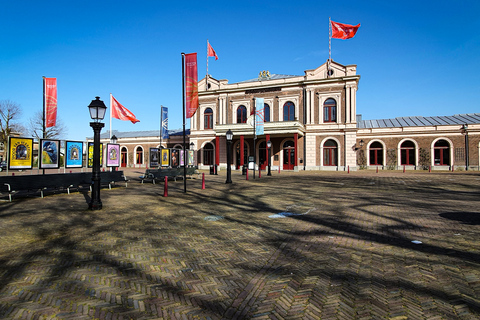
174	173
62	181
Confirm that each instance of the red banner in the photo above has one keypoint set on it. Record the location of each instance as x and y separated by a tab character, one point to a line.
343	31
50	96
191	84
121	113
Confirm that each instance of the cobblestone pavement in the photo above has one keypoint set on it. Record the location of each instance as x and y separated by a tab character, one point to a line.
307	245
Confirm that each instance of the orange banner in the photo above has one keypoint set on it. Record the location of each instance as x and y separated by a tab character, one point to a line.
50	96
191	84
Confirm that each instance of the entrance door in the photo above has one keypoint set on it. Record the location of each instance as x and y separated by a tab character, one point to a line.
123	157
262	155
288	155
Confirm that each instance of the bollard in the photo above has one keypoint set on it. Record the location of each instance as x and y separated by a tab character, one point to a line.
429	168
278	168
247	175
259	173
348	169
203	181
13	173
377	169
403	168
165	188
70	171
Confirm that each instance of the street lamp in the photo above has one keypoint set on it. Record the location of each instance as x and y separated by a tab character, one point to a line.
97	111
269	146
114	139
465	133
229	135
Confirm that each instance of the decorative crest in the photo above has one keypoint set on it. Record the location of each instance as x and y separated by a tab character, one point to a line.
264	75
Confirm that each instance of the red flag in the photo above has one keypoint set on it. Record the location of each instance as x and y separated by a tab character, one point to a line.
343	31
191	81
211	52
50	96
122	113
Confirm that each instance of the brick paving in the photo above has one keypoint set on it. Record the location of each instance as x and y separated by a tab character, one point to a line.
307	245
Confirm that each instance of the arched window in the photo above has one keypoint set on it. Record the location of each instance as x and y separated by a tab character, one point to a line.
208	154
139	155
266	110
330	110
441	152
241	114
288	111
330	153
407	153
208	118
376	154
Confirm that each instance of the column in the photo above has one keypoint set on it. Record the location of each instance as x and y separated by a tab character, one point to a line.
242	151
217	150
295	136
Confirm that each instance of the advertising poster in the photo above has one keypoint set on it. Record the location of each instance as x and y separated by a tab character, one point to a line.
154	157
182	158
49	154
21	153
165	157
90	155
175	158
190	158
113	155
74	154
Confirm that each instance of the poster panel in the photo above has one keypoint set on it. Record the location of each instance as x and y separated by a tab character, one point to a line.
165	157
175	158
190	158
113	155
154	157
49	154
74	154
20	153
182	158
90	155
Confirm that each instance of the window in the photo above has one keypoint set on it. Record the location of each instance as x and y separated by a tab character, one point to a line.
330	110
241	114
288	111
330	153
266	110
407	153
208	154
441	152
208	118
376	154
139	155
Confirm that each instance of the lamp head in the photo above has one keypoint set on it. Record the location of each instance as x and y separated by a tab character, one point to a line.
97	109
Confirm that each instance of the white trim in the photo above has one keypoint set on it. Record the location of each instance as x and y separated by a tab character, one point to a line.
432	151
384	152
338	152
284	99
399	151
322	97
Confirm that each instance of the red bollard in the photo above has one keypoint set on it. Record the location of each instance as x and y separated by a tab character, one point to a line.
429	168
377	169
404	169
70	171
203	181
165	188
278	168
259	173
247	175
348	169
13	173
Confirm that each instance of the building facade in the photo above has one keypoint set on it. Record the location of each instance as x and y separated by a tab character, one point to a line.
312	123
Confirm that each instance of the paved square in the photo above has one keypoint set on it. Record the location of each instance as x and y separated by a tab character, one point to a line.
307	245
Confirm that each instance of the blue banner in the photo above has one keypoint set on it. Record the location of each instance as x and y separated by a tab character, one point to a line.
259	116
164	122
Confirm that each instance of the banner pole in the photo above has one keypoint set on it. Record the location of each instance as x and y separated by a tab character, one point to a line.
329	45
183	100
206	77
111	113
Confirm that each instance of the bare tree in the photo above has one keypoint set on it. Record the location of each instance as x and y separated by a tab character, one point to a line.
10	113
35	127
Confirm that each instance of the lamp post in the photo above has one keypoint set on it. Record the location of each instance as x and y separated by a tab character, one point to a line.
269	146
229	135
465	133
97	111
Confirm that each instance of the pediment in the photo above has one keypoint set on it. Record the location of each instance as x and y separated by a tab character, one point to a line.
337	70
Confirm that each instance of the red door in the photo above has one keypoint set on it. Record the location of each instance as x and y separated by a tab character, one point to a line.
124	157
288	158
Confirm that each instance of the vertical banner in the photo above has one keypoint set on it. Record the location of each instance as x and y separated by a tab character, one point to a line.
50	96
21	153
113	155
90	155
154	157
259	116
190	157
49	154
175	158
164	122
191	84
74	154
165	157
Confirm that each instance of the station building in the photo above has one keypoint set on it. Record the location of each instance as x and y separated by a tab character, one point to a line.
312	123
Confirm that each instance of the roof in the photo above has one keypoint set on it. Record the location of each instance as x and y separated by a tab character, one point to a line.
419	121
273	76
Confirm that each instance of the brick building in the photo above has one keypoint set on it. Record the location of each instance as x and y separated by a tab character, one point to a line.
312	123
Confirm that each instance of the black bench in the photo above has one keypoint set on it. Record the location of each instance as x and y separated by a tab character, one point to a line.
62	181
174	173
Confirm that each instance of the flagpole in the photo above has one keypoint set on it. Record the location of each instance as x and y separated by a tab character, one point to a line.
329	45
111	113
183	99
206	77
161	125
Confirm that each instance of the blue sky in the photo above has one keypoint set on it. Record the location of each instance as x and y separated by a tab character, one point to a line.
414	57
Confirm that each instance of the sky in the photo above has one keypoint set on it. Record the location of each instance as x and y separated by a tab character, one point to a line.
415	58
